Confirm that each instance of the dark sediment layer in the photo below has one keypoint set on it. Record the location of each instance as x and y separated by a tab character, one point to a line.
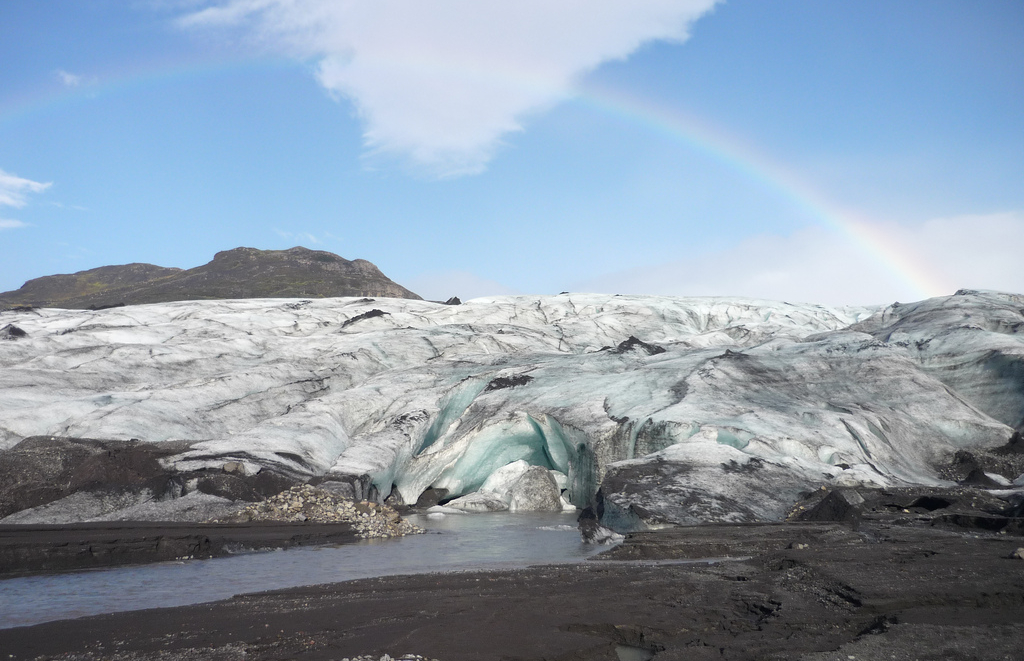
36	548
43	469
811	590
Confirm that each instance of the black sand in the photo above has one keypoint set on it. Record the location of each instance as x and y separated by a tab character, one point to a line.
791	591
33	548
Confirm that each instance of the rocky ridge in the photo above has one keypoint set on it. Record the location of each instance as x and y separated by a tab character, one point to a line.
237	273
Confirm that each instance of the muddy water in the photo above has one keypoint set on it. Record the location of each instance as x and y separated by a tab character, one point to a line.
456	542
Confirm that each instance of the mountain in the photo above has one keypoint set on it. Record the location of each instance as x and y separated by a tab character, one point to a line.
657	409
239	273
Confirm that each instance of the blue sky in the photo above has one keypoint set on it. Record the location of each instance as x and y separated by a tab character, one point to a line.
815	150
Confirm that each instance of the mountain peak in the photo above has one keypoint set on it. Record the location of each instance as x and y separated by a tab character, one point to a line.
237	273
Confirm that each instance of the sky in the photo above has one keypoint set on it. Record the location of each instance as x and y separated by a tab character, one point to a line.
820	151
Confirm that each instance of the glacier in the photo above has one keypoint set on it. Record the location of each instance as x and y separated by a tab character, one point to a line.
661	410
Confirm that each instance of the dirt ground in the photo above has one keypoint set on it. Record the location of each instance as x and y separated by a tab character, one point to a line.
814	591
26	549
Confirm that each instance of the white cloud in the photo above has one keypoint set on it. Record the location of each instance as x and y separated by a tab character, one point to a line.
69	79
441	81
73	207
14	190
440	286
305	237
308	237
8	224
820	266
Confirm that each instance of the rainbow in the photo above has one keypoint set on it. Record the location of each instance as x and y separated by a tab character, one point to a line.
47	98
870	237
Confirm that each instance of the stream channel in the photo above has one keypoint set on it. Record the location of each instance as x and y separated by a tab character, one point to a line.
454	543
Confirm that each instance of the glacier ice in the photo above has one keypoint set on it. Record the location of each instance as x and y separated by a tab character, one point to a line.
730	405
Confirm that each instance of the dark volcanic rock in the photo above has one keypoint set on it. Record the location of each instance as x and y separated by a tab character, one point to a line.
508	382
42	469
431	497
238	273
969	467
369	314
957	507
633	343
838	505
591	531
979	478
1014	446
12	332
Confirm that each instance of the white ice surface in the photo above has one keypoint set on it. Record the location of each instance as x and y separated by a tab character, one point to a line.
821	393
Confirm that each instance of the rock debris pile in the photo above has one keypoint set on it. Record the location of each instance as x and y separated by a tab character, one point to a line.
404	657
308	503
959	508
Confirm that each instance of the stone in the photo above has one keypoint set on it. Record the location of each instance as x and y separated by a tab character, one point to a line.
592	532
479	501
308	503
12	332
838	505
535	491
430	497
979	478
235	467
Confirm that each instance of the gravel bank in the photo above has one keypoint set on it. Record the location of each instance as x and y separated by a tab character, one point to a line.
806	591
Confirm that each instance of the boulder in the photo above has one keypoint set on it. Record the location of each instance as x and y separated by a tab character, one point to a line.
838	505
592	532
479	501
500	481
535	491
12	332
430	497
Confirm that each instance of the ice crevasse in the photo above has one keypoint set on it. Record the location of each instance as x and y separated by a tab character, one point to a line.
674	409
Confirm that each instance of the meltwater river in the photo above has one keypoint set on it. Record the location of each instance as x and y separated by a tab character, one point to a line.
456	542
